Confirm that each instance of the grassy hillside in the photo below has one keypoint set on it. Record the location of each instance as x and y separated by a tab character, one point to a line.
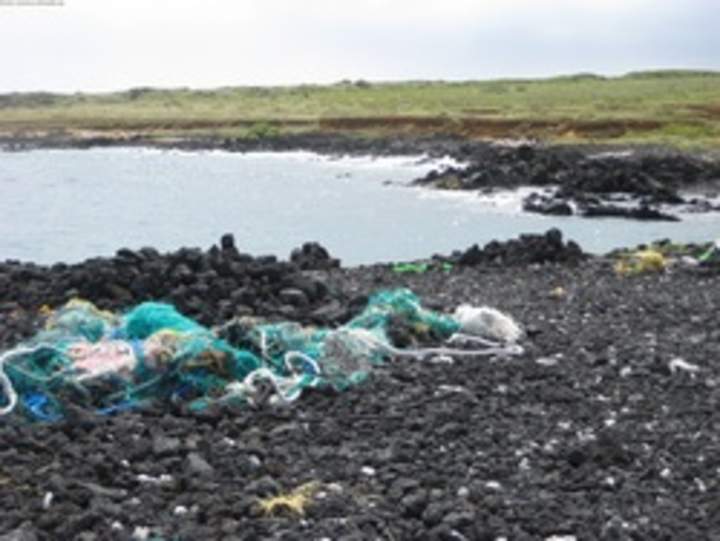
675	107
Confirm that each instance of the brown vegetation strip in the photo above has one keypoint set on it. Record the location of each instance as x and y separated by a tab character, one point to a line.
472	127
489	127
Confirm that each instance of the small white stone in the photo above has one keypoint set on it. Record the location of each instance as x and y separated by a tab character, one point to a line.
368	470
149	479
117	526
47	500
702	487
547	361
665	473
141	533
625	371
493	485
451	389
463	492
561	538
180	510
125	463
524	464
550	445
610	481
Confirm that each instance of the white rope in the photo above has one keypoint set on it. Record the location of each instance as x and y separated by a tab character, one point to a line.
7	386
290	356
263	345
282	385
368	338
472	339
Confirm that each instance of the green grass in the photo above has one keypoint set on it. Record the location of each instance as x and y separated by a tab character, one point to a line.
674	107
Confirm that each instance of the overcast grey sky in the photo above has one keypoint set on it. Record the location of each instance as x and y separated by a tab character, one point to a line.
116	44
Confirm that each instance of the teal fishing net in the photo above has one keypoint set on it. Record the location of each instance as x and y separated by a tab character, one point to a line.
108	362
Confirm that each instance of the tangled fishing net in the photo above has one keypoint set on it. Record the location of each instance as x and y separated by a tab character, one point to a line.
107	362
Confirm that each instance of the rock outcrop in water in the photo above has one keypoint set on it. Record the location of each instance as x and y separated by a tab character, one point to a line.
587	183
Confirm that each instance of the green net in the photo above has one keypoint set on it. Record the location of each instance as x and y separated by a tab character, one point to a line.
405	304
108	362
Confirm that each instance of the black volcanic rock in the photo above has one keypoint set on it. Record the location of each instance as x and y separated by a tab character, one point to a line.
640	212
608	442
550	206
650	177
313	256
525	250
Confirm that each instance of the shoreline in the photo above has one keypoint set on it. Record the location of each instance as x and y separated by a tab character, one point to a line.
638	182
334	144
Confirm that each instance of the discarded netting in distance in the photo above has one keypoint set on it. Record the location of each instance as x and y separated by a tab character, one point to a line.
106	362
712	255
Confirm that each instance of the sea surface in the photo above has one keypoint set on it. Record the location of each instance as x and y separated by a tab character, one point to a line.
68	205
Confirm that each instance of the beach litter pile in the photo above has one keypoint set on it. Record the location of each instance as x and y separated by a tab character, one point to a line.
106	362
641	262
664	255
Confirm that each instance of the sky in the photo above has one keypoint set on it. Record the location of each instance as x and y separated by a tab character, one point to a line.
104	45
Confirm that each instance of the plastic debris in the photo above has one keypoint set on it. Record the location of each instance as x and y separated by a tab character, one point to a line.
488	322
557	293
410	268
295	502
421	268
681	364
712	255
109	363
641	262
103	357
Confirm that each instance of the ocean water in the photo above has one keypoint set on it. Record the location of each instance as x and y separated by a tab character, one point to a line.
68	205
